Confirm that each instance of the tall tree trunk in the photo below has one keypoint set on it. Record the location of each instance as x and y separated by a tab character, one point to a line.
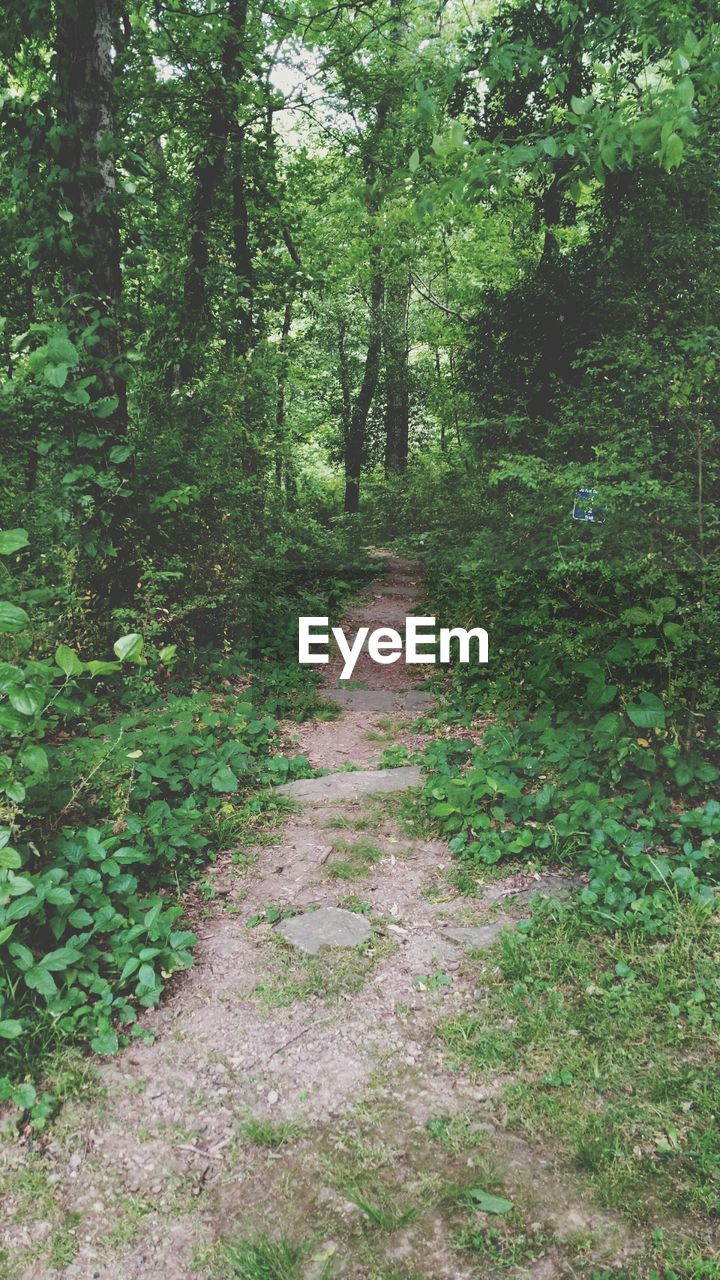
84	44
210	165
207	173
242	256
397	392
355	439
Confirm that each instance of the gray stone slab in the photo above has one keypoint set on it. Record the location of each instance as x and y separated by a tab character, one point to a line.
554	885
351	785
475	937
379	699
327	927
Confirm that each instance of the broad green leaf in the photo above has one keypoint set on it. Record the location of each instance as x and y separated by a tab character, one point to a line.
56	374
106	407
673	151
486	1203
636	617
648	712
26	701
581	106
10	859
414	161
39	978
35	759
97	668
68	660
12	540
129	648
17	886
105	1042
224	779
62	958
12	619
10	1028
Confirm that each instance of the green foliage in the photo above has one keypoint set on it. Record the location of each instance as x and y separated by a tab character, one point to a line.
88	933
547	788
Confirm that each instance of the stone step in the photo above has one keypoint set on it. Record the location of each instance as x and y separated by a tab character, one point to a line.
351	785
378	699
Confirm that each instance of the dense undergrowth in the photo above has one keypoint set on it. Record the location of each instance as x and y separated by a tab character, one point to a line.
122	779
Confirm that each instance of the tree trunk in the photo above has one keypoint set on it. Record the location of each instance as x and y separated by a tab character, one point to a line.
222	132
397	394
84	43
355	439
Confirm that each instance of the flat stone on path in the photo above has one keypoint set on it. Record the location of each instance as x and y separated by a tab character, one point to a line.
379	699
351	784
327	927
475	937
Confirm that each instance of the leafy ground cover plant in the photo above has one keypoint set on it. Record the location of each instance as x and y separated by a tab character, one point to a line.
544	786
106	815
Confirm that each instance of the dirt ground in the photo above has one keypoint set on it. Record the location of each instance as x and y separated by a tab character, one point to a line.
286	1093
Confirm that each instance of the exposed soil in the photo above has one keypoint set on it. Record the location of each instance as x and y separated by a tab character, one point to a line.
165	1161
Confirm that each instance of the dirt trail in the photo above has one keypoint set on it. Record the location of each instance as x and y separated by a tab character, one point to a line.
291	1093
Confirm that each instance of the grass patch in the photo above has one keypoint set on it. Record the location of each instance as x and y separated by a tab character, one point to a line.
359	856
333	973
505	1243
377	1202
260	1258
266	1133
612	1045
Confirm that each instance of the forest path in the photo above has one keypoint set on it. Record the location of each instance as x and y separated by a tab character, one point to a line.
311	1095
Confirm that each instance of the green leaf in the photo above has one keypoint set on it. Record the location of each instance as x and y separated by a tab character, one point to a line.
12	540
581	106
102	668
25	700
62	958
12	619
81	919
105	1042
106	407
673	151
120	453
129	648
60	896
636	617
224	779
40	979
10	859
147	976
56	374
486	1203
167	653
68	660
648	712
35	759
414	161
10	1028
